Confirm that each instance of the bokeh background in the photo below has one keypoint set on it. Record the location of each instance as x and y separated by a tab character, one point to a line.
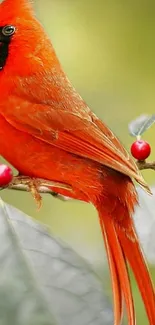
107	49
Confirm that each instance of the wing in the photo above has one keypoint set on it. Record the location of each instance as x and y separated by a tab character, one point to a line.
79	132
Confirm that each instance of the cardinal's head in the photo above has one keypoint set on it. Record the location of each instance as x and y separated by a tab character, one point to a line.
23	42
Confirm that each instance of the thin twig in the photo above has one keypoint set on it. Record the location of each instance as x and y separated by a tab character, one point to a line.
41	190
146	165
22	184
23	187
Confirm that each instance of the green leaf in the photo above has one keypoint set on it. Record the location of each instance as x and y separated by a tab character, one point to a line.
141	124
42	280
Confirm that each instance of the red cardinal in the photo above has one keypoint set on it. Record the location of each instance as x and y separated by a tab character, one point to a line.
48	131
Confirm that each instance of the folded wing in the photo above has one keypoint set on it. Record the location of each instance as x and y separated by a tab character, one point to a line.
80	133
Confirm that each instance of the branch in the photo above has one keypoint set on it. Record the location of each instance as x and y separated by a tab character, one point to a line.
37	186
41	190
145	165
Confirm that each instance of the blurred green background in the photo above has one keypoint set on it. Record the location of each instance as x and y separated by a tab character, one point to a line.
107	49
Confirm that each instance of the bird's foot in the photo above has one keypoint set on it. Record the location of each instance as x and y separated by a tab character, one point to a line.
36	186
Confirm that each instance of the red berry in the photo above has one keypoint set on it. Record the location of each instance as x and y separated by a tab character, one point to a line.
6	175
140	149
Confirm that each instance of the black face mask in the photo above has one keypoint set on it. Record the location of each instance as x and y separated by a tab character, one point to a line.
6	33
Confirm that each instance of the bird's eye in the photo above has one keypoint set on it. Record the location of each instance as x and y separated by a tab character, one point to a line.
8	30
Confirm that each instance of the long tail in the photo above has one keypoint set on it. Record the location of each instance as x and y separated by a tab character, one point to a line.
116	285
122	245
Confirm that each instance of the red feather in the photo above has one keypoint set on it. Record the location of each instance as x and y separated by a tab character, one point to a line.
55	136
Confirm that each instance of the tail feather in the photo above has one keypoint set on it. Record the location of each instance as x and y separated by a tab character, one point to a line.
118	270
116	286
131	248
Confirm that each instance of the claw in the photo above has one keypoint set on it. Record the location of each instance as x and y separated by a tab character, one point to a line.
33	189
36	186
